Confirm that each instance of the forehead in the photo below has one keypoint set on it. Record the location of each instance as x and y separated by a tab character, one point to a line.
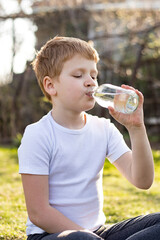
79	62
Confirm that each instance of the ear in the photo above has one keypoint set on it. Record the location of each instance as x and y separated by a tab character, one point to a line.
49	86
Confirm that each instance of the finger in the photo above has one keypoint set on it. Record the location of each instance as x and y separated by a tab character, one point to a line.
111	110
128	87
141	97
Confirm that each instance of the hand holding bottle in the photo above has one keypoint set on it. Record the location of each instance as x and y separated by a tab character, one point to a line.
133	120
121	99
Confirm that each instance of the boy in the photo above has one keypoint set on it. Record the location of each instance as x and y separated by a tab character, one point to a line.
61	157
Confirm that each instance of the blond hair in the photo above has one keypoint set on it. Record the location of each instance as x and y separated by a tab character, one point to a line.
51	57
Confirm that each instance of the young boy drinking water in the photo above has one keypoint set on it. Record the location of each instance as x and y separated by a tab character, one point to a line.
61	156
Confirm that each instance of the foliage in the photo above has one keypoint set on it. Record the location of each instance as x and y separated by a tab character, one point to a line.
121	200
127	39
17	140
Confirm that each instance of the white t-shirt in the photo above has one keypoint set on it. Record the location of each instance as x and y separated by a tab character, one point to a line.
74	161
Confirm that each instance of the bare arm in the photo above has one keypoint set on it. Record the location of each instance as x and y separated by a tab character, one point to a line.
40	212
137	166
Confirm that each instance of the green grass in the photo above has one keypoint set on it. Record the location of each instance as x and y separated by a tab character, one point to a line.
121	199
12	204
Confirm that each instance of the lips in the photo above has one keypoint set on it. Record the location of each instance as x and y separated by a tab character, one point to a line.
90	94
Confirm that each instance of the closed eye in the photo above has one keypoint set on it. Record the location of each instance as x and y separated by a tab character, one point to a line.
77	76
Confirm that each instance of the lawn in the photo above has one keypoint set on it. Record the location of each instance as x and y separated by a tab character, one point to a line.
121	200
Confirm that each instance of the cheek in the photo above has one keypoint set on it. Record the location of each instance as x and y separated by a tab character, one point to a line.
73	89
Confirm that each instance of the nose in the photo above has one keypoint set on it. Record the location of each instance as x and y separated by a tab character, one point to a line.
90	82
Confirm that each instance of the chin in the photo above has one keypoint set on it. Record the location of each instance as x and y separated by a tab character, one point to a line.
87	108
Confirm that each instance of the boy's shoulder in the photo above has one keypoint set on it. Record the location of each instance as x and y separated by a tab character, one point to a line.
102	124
41	127
98	120
38	135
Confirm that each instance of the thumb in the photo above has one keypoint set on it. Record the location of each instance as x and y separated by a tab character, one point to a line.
111	111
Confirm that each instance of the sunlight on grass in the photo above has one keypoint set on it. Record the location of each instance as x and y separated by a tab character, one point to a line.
121	199
12	207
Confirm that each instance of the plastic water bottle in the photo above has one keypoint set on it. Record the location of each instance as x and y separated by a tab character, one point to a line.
122	100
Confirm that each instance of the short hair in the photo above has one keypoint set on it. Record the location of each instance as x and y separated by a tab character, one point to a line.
50	59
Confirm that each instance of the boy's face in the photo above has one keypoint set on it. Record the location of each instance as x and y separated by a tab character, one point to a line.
75	85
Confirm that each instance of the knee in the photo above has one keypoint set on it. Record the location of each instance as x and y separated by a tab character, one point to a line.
78	235
154	218
81	235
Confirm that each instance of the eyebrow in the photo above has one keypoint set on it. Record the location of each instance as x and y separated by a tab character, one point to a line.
83	70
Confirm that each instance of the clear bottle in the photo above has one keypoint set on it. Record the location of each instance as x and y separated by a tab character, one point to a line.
122	100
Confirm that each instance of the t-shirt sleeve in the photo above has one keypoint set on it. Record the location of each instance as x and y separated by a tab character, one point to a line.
33	153
116	144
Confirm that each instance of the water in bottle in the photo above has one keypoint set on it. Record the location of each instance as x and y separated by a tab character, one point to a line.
122	100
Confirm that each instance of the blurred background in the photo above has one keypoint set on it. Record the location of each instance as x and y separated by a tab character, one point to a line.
126	33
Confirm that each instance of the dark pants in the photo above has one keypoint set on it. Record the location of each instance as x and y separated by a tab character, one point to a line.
140	228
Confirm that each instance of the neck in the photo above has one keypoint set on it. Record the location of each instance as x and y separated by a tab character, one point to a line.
70	120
